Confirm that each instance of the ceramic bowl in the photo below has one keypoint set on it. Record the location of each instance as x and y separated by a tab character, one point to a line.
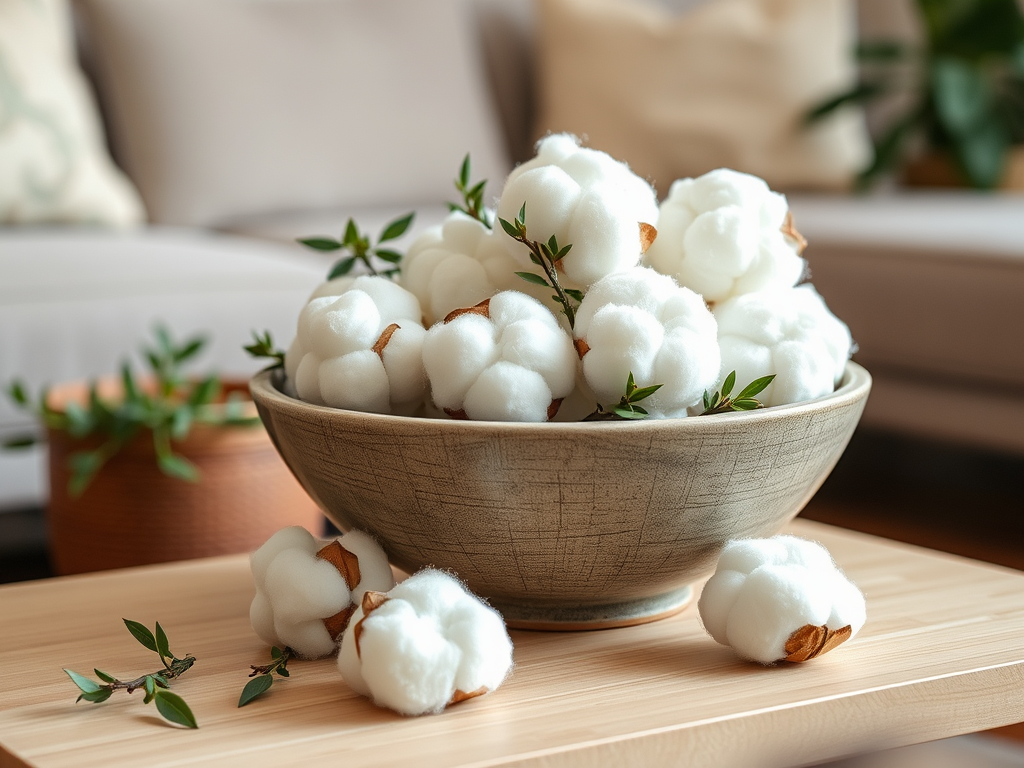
565	525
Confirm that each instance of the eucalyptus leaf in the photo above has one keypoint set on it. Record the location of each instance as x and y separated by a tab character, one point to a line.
255	687
177	466
96	696
396	228
509	228
320	243
392	257
141	633
531	277
755	387
342	267
104	676
730	382
162	646
174	709
84	683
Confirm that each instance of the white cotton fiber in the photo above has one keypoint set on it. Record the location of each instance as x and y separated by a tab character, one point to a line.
788	332
585	198
426	644
359	349
724	234
780	599
458	264
643	323
506	359
307	589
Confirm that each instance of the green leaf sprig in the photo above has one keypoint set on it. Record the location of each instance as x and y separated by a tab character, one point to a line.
360	249
472	196
722	402
170	705
168	408
546	256
263	676
626	408
263	348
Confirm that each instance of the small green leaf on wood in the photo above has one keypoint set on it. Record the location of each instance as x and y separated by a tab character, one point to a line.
255	687
141	633
104	676
84	683
174	709
96	696
162	646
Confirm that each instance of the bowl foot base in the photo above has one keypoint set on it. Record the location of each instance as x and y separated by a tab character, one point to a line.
569	618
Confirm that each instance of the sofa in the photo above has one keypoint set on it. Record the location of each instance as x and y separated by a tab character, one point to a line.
247	124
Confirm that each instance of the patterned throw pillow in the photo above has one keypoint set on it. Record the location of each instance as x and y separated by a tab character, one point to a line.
54	167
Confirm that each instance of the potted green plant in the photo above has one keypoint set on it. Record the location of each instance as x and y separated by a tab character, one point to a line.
159	467
963	94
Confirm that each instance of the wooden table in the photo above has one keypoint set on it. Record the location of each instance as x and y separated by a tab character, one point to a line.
942	654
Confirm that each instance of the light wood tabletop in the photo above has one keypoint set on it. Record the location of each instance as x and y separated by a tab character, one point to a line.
942	654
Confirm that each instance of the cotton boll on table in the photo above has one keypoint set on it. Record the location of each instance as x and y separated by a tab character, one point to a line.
307	589
426	644
780	599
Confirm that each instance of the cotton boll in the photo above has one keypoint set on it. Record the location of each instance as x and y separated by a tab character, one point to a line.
789	333
643	323
508	392
426	644
551	196
505	359
338	356
584	198
722	235
780	599
622	339
306	588
454	354
402	358
356	381
335	287
307	379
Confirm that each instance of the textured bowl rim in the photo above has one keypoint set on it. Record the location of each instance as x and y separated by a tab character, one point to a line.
854	386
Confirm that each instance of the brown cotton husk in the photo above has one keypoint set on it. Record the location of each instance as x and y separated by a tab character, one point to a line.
384	338
347	564
789	230
647	235
581	347
371	602
462	695
457	414
553	408
483	308
810	641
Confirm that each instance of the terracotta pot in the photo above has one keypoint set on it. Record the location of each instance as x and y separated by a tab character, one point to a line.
936	170
133	514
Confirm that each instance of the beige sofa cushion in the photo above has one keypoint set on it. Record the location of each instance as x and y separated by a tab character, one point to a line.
224	108
54	166
724	84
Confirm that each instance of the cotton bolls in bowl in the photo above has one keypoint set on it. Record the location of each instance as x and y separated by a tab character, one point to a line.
564	525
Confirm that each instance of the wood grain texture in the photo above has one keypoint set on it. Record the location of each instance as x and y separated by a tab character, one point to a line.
566	515
941	654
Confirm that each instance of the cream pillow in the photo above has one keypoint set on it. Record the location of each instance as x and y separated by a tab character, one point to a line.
724	84
54	166
225	109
